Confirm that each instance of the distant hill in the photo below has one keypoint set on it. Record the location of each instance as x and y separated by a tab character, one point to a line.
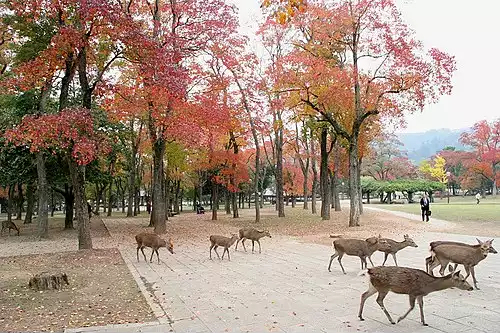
421	146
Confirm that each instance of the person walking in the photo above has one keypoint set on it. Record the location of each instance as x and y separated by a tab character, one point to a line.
425	207
478	196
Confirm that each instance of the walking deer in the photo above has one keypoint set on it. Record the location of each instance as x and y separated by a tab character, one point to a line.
413	282
459	254
226	242
395	247
154	242
356	247
253	234
9	225
432	262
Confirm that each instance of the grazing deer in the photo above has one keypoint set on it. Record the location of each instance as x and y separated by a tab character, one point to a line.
413	282
432	262
9	225
253	234
395	247
154	242
356	247
459	254
226	242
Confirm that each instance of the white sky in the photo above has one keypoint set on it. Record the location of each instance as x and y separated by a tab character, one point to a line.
463	28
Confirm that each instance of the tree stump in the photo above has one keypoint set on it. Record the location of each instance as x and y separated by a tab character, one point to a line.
46	281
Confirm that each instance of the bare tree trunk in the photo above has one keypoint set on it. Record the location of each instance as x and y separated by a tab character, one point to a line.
10	197
77	174
315	175
227	202
335	178
215	200
30	193
43	191
359	188
20	201
280	200
158	214
353	182
324	176
110	195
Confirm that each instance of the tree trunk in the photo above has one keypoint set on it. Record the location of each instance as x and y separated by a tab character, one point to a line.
30	193
10	196
158	214
177	191
77	174
360	190
227	202
335	178
215	200
353	182
494	191
43	193
324	176
69	201
315	175
110	195
280	201
20	201
131	180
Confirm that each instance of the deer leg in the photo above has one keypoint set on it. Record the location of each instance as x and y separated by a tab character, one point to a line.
340	262
228	257
236	248
432	264
394	257
371	290
138	247
211	247
371	262
362	262
215	249
412	306
142	250
380	301
253	243
444	264
152	252
473	272
243	243
331	259
258	241
223	252
467	270
157	255
386	255
420	300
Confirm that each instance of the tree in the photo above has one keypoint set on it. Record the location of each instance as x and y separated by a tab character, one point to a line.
401	75
485	139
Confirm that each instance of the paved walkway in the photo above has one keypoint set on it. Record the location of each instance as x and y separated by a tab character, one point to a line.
288	288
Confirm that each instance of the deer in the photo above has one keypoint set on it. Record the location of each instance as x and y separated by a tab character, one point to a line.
431	261
395	247
459	254
226	242
356	247
254	235
154	242
413	282
9	225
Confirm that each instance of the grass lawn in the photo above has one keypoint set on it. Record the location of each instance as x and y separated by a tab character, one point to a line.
460	209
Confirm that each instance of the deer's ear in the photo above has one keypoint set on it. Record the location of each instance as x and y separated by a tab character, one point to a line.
479	241
456	274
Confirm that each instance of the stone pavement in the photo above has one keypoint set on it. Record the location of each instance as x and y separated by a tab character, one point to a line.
288	288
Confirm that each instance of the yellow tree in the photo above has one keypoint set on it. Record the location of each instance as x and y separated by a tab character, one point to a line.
435	169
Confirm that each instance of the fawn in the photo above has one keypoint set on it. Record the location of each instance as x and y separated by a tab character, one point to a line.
154	242
356	247
410	281
252	234
395	247
9	225
226	242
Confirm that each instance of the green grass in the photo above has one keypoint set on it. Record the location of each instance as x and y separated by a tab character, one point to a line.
460	209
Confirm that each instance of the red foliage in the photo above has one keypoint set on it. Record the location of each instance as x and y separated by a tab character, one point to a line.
71	130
